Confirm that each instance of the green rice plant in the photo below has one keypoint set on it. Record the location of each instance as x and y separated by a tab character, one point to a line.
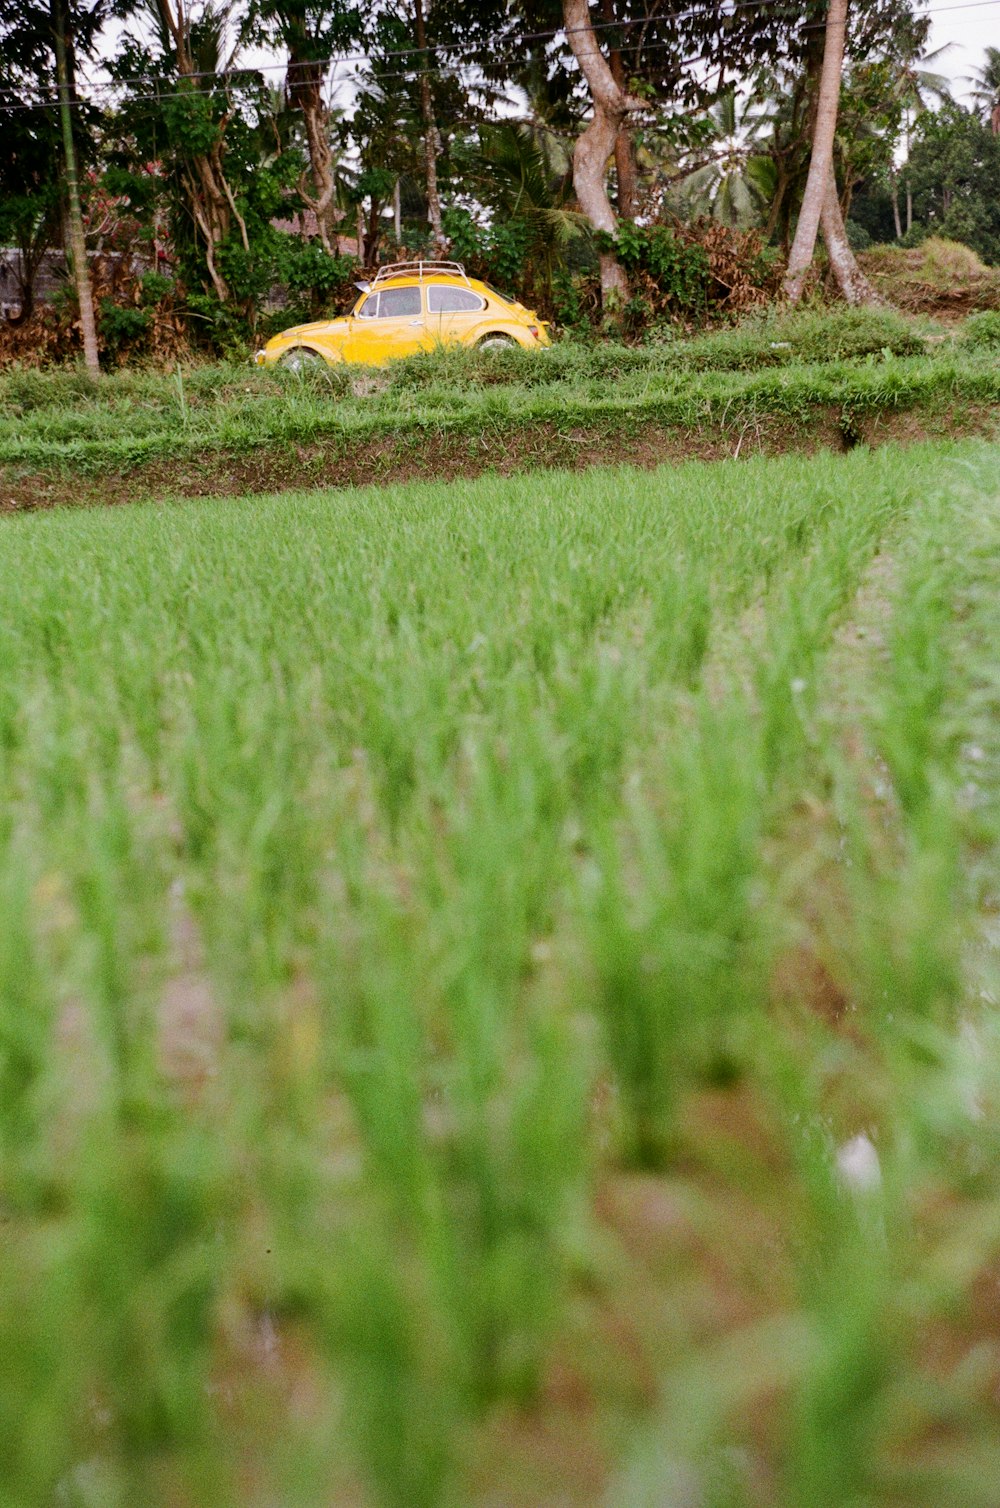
672	939
44	1374
389	874
149	1214
26	1025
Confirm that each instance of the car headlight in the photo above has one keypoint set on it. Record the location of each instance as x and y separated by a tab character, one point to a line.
258	357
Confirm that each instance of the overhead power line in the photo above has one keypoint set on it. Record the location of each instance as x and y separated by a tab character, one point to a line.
471	60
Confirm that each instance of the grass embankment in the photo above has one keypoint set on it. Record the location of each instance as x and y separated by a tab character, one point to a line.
938	277
784	383
496	999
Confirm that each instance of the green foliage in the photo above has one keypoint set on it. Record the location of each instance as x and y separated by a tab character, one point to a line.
498	252
678	269
982	329
443	921
121	325
953	168
858	236
790	367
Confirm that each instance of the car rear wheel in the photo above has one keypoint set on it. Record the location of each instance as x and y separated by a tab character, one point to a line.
300	359
495	342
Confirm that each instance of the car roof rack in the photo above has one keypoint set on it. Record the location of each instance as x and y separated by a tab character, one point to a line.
418	269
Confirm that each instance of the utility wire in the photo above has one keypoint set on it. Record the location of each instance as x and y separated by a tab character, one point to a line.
445	47
472	60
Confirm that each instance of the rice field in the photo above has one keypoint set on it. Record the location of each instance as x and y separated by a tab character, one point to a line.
498	993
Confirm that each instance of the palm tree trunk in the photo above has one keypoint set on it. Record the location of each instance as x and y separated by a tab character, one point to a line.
894	194
821	161
77	243
851	281
432	138
612	107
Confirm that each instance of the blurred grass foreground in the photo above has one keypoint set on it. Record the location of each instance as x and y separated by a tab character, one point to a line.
498	993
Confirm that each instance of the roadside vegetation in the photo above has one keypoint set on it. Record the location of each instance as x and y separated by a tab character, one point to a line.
773	382
498	992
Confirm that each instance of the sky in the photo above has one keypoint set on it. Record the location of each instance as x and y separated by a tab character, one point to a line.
969	30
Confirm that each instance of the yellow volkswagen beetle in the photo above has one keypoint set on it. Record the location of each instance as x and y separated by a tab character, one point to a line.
409	307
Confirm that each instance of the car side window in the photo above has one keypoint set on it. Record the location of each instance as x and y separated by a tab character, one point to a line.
397	303
369	308
445	300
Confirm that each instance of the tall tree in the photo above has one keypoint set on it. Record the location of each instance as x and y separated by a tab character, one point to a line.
669	53
612	106
30	155
201	119
820	179
77	243
40	146
954	167
432	137
312	31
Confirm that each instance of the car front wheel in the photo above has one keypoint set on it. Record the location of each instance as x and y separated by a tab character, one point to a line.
300	359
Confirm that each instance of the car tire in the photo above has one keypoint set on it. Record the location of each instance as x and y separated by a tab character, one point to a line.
300	359
495	342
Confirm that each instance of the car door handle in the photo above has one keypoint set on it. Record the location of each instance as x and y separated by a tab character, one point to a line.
415	322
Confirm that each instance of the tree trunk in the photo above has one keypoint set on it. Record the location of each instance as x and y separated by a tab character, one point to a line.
777	204
851	281
77	244
909	209
625	167
612	107
373	234
625	172
432	138
397	215
821	160
894	193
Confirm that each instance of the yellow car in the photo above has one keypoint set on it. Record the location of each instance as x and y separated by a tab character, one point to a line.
408	307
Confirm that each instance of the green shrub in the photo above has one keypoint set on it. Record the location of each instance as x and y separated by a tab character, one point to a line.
982	329
122	325
858	237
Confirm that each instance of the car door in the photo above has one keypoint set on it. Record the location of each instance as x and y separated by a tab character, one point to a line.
453	314
390	322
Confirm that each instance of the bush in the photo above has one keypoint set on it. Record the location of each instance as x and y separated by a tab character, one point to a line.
952	260
121	326
982	329
858	238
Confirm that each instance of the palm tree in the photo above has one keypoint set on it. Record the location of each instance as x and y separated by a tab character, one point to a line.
916	88
524	173
735	185
821	160
986	90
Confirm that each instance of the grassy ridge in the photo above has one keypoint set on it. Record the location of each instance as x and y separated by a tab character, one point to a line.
500	963
855	364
